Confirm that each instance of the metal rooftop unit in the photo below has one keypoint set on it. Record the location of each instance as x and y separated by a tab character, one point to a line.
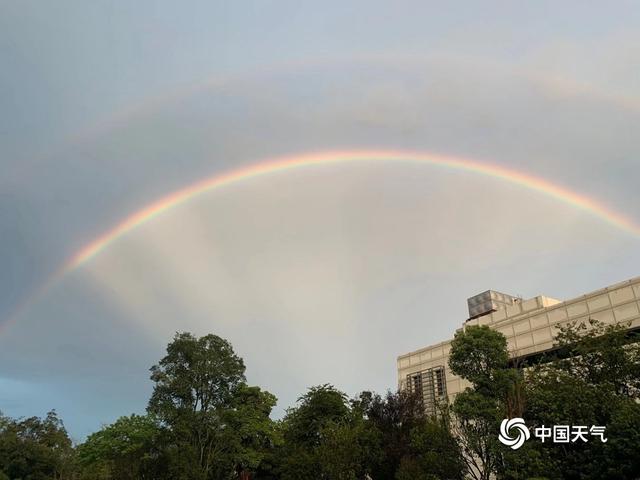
489	301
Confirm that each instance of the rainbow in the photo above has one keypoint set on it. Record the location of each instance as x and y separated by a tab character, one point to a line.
284	164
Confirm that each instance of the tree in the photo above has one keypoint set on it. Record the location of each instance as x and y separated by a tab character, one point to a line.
350	448
305	428
35	448
194	383
216	426
343	450
249	432
591	378
128	449
408	443
435	452
318	407
601	355
394	416
479	355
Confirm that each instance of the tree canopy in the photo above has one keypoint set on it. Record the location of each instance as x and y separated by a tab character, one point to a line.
205	422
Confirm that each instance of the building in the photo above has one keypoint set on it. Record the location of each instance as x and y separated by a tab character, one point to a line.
529	326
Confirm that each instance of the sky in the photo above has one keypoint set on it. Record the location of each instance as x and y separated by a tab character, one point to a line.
321	274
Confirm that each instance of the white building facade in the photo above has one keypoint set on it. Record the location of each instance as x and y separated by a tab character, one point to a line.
529	325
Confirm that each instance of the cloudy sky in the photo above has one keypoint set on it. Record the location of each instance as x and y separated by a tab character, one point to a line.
315	275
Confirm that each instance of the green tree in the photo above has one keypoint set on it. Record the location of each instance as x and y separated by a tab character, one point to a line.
435	452
606	356
194	384
305	427
592	378
216	426
249	433
126	450
394	416
35	448
317	408
410	444
479	355
349	448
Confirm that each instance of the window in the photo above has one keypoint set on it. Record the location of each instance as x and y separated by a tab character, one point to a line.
431	387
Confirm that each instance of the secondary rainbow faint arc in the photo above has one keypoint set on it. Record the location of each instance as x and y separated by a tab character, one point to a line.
283	164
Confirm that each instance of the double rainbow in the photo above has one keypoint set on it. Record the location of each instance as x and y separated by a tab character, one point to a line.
284	164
